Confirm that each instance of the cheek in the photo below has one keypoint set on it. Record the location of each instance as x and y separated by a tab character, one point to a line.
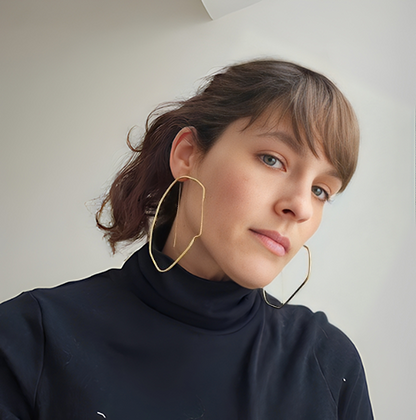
318	218
314	224
228	197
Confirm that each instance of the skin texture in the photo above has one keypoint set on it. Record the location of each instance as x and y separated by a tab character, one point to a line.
259	183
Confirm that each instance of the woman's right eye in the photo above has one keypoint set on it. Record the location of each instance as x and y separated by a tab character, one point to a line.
272	161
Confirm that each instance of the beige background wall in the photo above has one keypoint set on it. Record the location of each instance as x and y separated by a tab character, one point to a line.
76	75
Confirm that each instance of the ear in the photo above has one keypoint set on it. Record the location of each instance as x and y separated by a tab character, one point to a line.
184	153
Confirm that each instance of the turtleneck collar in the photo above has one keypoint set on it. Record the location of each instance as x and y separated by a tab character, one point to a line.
220	307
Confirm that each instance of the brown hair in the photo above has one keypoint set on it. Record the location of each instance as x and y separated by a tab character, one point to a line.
319	112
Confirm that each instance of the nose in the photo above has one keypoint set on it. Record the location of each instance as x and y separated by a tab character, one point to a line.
295	203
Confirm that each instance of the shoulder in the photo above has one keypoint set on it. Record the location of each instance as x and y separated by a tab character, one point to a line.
299	324
25	311
329	342
327	352
318	329
312	332
28	314
100	284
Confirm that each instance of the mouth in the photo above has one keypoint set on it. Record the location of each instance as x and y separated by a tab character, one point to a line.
273	241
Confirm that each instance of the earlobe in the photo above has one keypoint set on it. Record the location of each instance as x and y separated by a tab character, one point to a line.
183	154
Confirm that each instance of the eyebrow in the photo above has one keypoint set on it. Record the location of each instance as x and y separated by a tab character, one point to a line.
334	173
286	139
296	147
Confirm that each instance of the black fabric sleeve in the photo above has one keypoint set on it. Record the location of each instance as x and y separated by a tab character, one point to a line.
21	356
342	368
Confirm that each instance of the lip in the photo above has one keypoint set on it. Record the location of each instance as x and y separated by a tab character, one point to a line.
273	241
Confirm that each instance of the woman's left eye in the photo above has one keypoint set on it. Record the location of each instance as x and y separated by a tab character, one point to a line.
321	193
272	161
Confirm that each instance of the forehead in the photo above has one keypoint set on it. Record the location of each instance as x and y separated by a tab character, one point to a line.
282	127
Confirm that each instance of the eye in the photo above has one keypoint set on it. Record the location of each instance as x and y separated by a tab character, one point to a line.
320	193
272	161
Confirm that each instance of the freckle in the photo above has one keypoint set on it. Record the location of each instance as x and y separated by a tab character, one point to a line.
344	379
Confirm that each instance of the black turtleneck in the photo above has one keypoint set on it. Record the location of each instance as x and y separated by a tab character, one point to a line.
133	343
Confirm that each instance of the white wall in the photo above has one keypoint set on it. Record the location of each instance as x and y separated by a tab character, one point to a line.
76	75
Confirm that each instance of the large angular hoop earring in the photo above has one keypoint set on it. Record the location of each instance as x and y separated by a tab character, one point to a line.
163	270
297	290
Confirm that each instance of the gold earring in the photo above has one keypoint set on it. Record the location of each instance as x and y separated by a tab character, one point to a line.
177	212
157	213
297	290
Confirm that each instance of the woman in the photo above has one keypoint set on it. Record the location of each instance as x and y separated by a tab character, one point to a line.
228	186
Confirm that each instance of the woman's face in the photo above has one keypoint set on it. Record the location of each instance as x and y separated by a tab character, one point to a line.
264	200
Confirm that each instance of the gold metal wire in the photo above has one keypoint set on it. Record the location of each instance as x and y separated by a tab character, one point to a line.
163	270
297	290
177	212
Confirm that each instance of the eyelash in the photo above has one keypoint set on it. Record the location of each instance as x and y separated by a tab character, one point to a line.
326	198
275	159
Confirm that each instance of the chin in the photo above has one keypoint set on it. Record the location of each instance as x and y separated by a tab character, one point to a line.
254	278
253	269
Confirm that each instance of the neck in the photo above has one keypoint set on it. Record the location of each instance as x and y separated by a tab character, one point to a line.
196	261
